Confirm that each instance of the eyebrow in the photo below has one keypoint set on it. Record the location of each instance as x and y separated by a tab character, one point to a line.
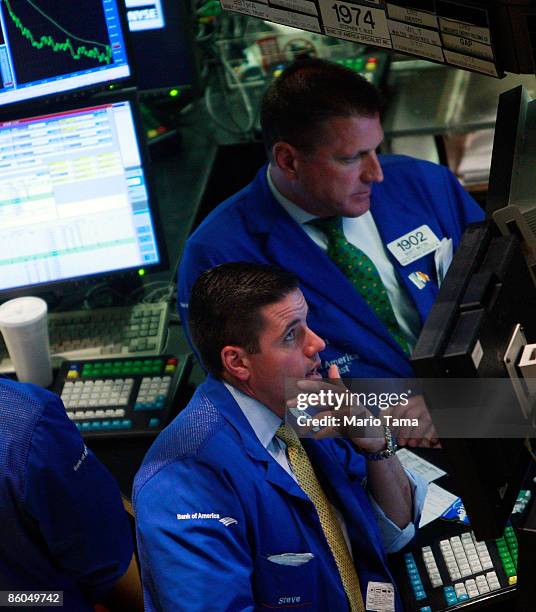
356	154
361	151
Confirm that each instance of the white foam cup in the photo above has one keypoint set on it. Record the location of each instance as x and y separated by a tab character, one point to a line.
23	323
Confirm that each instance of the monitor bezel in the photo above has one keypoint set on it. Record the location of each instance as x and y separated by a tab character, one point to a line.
102	99
434	357
52	98
188	90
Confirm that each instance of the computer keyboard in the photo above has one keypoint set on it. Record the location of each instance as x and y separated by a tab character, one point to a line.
454	570
139	331
122	397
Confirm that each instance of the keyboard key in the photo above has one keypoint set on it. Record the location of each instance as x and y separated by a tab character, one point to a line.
419	594
493	581
450	595
471	588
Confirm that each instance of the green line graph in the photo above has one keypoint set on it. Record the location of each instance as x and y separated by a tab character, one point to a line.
99	51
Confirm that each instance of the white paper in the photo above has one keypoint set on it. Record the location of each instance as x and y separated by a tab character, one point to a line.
355	22
416	47
412	16
304	6
467	46
414	33
472	63
258	9
437	501
467	30
413	245
443	258
415	464
380	597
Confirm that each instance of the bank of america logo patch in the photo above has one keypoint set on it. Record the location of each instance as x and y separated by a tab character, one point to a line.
228	521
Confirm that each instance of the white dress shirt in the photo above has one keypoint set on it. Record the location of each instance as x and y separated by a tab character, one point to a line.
265	423
362	233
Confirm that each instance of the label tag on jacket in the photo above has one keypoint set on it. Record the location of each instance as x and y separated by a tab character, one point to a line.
414	245
380	597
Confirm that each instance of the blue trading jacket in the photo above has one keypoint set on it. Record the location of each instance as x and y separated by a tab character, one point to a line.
212	506
252	226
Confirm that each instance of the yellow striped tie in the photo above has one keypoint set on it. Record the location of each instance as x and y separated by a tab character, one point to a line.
303	470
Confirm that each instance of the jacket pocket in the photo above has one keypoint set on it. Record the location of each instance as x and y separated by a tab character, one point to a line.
280	586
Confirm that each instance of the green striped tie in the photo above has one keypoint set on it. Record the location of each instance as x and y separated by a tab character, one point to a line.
360	270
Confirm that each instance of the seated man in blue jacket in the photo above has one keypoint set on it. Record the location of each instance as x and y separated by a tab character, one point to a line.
364	233
63	523
233	511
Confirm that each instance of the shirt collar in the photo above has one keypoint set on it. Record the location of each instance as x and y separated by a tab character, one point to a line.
298	214
263	421
301	216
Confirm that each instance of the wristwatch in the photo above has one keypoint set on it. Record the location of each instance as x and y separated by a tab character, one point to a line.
388	451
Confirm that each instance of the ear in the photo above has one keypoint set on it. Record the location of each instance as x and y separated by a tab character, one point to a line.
285	159
235	362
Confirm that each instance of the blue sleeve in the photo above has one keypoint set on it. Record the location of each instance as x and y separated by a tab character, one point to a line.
192	539
394	538
76	504
468	209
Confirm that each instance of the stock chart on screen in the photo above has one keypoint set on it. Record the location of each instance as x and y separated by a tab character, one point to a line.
48	47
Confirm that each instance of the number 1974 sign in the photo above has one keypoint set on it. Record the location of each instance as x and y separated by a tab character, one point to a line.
355	22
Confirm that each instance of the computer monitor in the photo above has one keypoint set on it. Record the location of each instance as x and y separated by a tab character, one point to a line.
511	199
162	45
472	333
50	47
75	197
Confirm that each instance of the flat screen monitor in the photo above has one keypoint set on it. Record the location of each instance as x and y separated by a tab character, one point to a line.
162	44
468	335
511	199
75	200
48	47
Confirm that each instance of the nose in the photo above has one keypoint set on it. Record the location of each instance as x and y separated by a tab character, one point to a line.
372	171
313	344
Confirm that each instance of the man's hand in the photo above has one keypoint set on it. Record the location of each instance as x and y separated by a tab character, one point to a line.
386	480
370	438
424	435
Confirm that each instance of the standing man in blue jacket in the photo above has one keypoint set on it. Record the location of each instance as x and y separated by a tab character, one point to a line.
233	512
325	199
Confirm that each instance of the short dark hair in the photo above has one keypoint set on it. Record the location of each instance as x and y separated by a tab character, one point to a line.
225	306
309	92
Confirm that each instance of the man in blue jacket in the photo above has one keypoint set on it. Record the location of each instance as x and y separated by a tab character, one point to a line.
62	520
321	129
232	512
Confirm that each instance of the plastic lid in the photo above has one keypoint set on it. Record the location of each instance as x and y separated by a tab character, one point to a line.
22	311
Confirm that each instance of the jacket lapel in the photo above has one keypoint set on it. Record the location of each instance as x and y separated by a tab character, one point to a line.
284	239
391	227
230	410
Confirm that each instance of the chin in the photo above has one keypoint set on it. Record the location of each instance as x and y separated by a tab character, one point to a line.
355	208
